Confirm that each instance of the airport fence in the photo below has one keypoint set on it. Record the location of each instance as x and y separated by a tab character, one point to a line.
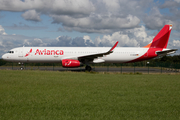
138	67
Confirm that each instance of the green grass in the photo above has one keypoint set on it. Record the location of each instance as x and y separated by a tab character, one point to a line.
40	95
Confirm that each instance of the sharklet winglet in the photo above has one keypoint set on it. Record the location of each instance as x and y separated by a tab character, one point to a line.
114	46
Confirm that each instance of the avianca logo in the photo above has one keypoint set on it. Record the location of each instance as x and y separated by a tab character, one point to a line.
49	52
46	52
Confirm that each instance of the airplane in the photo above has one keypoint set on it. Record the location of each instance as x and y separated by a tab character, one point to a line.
72	57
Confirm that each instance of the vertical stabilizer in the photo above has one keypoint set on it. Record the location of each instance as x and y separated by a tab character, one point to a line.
161	39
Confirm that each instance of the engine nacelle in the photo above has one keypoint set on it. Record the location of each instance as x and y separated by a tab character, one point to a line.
70	63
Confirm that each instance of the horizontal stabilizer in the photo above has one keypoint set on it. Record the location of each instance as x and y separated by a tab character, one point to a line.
166	52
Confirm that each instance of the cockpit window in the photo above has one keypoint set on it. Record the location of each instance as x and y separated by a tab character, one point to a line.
10	51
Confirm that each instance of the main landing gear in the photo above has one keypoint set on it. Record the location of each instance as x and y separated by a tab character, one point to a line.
88	68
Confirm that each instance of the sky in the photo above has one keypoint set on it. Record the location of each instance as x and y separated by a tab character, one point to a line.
86	23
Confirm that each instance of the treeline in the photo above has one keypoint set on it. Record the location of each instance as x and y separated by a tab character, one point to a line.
165	60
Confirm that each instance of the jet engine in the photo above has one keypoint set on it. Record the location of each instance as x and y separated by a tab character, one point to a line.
70	63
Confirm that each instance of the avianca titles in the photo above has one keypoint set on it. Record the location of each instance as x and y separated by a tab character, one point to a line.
78	56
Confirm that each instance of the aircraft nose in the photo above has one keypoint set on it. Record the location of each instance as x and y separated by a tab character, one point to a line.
4	57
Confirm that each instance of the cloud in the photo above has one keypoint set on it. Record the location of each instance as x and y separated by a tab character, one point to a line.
96	23
88	42
2	31
66	41
24	27
127	38
98	16
170	3
108	17
156	19
90	16
31	15
176	43
58	7
33	43
61	41
178	1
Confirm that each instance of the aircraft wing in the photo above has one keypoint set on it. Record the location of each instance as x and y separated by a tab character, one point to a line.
91	57
165	52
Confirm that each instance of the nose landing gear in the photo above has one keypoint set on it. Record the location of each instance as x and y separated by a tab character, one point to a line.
22	66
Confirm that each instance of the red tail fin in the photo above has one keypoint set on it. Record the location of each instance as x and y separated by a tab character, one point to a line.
162	38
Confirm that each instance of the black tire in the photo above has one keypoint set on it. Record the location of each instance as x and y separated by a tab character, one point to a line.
88	68
21	68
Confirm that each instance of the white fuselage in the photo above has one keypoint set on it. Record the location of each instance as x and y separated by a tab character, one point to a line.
56	54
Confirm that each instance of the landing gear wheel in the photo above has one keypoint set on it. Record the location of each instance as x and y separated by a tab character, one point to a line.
21	68
88	68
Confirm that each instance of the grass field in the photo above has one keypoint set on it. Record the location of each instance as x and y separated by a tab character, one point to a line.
40	95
